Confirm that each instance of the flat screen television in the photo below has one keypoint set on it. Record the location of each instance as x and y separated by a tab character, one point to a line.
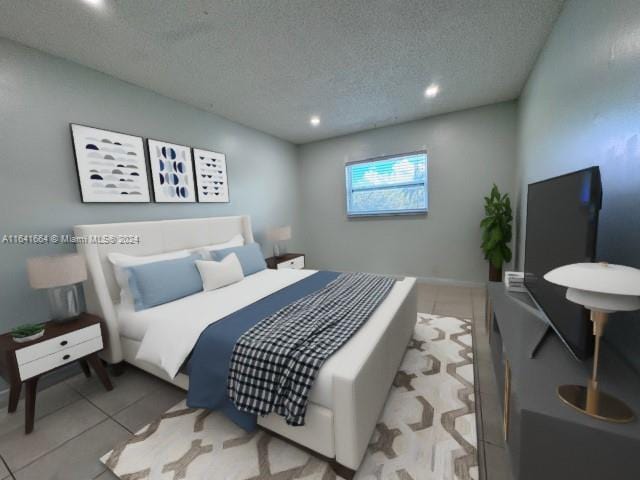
562	227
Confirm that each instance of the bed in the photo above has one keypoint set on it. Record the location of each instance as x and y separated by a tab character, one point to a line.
351	388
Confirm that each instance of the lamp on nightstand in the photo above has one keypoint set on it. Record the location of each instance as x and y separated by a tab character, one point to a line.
277	235
602	288
60	275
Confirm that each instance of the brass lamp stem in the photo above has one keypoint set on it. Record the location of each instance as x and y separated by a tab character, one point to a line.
599	320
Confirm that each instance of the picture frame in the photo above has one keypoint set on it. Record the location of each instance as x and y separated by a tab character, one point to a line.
111	166
210	169
171	172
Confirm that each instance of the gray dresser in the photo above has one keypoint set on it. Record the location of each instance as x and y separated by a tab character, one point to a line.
545	438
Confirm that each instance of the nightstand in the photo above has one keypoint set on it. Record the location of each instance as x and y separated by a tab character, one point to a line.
62	343
288	260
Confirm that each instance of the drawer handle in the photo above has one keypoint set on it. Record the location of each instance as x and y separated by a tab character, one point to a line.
66	357
63	343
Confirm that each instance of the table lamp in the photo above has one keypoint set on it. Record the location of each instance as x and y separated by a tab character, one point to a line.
277	235
60	275
602	288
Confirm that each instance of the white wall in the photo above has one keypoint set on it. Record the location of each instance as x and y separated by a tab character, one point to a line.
467	151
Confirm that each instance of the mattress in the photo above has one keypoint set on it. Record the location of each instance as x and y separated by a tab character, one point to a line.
133	325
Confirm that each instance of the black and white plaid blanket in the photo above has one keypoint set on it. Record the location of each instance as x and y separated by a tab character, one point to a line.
274	364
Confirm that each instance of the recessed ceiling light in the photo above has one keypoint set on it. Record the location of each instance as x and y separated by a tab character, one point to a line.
315	120
432	90
95	3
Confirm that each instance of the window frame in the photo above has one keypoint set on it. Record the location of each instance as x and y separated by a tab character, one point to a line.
387	213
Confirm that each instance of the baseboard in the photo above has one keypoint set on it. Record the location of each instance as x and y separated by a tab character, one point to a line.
450	282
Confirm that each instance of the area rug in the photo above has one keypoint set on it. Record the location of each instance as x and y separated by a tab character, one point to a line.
427	430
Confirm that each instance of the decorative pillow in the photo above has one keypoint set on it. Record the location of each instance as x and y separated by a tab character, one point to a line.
220	274
236	241
153	284
120	261
250	257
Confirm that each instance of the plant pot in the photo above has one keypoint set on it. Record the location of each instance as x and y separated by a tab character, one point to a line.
30	338
495	274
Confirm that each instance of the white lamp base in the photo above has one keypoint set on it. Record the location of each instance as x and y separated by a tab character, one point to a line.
64	303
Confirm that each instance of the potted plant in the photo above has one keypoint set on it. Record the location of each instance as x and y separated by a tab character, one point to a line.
27	332
496	232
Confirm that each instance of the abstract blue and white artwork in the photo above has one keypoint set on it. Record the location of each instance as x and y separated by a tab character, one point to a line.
211	176
172	172
111	166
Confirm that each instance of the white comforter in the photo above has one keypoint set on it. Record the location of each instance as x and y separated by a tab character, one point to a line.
172	335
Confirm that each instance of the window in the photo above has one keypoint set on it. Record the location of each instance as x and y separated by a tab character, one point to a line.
390	185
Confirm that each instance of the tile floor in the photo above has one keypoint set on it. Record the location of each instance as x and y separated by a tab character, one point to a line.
77	421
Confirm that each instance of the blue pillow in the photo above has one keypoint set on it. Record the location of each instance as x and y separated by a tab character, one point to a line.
250	257
161	282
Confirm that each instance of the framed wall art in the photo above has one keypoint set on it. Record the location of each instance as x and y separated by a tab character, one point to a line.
111	166
172	172
211	176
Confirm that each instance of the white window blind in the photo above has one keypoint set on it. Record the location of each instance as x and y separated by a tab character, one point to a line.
390	185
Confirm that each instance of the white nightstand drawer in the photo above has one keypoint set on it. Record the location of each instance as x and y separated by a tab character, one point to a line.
71	354
297	262
57	344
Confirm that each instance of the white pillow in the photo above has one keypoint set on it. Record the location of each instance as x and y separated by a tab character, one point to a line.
236	241
121	261
220	274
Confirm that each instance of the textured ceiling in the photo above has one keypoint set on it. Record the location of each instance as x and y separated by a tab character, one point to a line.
270	65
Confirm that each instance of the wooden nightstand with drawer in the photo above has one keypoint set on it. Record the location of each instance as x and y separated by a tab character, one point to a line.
288	260
62	343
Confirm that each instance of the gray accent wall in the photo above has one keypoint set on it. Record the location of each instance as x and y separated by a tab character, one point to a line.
581	107
41	94
467	151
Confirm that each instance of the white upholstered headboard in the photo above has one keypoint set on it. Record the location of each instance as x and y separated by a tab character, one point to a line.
101	290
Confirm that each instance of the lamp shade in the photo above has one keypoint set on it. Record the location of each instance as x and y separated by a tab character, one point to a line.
279	234
56	271
603	302
597	277
599	286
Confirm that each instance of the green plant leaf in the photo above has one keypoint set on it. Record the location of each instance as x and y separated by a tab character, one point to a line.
506	253
496	259
487	222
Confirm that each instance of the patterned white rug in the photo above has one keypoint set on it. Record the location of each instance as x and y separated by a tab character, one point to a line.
427	430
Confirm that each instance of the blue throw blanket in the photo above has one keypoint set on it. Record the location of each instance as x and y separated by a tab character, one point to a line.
208	366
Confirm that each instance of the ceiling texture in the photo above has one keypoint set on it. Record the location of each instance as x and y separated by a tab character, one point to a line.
271	65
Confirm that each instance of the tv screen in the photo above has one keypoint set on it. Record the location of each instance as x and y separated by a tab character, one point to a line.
562	225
